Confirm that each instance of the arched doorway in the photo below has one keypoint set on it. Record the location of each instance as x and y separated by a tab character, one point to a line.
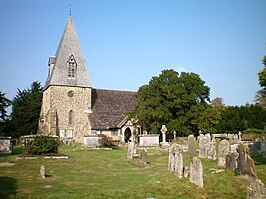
127	134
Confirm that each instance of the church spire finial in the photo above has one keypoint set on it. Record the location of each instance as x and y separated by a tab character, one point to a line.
69	9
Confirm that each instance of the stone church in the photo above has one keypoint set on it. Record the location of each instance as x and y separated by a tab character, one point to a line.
71	108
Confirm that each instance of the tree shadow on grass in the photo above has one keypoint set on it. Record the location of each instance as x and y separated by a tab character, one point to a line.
8	188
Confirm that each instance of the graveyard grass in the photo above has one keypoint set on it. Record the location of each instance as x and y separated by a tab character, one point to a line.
109	174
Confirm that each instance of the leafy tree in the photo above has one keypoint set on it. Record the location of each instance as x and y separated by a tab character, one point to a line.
26	108
236	118
261	94
218	103
177	100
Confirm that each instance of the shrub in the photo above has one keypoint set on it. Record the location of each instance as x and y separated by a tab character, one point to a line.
259	131
42	145
106	141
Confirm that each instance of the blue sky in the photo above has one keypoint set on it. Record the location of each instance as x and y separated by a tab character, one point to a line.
126	42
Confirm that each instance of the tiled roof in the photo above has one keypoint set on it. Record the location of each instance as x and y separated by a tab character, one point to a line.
69	45
110	107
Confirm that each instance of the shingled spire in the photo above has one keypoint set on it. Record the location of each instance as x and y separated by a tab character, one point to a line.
68	67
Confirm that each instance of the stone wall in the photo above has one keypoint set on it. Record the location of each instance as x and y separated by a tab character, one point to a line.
61	100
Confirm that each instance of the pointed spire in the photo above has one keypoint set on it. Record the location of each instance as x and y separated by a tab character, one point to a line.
69	9
68	51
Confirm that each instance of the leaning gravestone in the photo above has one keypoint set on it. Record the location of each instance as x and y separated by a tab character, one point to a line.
245	164
196	172
175	162
223	150
191	145
42	171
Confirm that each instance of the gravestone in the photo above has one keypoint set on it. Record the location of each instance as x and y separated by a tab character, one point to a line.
143	156
5	145
245	164
239	136
130	150
163	131
186	171
231	161
175	162
203	147
212	151
196	172
223	150
42	171
174	135
191	145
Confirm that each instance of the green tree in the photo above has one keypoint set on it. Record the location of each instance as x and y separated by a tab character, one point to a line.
26	108
4	103
260	96
176	100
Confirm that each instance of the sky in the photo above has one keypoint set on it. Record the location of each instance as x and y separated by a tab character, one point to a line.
127	42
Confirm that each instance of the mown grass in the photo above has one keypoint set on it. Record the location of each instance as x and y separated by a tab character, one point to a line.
109	174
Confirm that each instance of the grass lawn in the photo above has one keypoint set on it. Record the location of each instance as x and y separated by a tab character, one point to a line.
109	174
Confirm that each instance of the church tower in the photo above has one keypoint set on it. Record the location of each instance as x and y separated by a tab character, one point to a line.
67	93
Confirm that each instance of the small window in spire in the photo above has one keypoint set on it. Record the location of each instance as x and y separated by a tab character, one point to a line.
72	67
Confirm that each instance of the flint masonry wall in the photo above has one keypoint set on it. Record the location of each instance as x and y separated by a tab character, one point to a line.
60	99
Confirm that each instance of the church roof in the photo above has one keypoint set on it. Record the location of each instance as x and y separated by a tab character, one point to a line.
110	107
68	47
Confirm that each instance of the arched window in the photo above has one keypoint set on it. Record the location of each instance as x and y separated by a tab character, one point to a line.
70	118
72	67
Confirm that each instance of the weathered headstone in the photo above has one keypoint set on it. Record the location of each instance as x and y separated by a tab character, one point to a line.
245	164
212	152
196	172
42	171
175	162
5	145
203	147
191	145
143	156
130	150
223	150
231	161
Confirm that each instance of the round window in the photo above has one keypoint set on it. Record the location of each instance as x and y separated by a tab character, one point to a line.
70	93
